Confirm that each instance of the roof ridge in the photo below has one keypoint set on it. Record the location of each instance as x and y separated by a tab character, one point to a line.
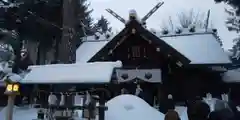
185	34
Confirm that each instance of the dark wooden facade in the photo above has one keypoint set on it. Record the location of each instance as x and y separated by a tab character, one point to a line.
138	48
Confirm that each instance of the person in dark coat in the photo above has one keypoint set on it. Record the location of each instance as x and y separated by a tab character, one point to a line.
224	114
166	104
214	116
222	111
198	110
233	107
172	115
170	103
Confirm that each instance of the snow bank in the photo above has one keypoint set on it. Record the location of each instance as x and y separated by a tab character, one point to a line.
130	107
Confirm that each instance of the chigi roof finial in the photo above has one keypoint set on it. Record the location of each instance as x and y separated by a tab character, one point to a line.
133	14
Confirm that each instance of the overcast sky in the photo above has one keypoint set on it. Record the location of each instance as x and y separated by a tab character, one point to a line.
170	8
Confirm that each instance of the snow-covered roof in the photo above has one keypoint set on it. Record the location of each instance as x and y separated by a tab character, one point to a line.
96	72
199	48
232	76
88	49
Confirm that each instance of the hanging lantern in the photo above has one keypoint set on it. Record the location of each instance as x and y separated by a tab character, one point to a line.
124	76
148	75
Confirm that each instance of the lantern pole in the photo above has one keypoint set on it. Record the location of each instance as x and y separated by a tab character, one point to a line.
10	105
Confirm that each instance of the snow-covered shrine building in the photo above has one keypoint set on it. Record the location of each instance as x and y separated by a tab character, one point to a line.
186	63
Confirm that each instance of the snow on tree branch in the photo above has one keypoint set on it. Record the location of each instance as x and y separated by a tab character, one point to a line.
185	20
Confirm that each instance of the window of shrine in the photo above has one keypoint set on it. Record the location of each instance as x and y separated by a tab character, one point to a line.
136	51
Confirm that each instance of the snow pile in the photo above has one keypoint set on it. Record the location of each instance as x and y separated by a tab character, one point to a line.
130	107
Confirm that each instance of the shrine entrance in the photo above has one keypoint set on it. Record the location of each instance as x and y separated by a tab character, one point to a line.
144	83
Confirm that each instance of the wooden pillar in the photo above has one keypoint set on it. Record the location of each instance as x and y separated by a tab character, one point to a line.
102	106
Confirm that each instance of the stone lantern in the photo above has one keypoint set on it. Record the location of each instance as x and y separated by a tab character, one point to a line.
12	90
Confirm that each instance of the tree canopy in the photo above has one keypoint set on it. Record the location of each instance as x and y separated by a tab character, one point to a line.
103	25
233	3
40	21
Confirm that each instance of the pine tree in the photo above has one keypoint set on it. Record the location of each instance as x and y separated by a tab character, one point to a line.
233	24
103	25
41	21
75	14
234	3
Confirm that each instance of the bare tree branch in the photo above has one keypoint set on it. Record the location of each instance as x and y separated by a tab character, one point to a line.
186	19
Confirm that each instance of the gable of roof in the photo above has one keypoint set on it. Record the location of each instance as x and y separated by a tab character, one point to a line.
140	30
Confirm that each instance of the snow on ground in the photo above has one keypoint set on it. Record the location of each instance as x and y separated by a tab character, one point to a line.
123	107
20	113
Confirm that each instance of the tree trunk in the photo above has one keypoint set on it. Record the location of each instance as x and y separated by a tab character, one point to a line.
67	45
38	54
56	50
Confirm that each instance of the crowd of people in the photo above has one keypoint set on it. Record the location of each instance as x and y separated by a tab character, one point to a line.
197	109
200	110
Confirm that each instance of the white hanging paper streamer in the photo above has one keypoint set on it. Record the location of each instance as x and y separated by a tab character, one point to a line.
62	101
52	99
77	100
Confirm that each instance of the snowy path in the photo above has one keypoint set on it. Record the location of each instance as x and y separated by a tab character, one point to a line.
124	107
